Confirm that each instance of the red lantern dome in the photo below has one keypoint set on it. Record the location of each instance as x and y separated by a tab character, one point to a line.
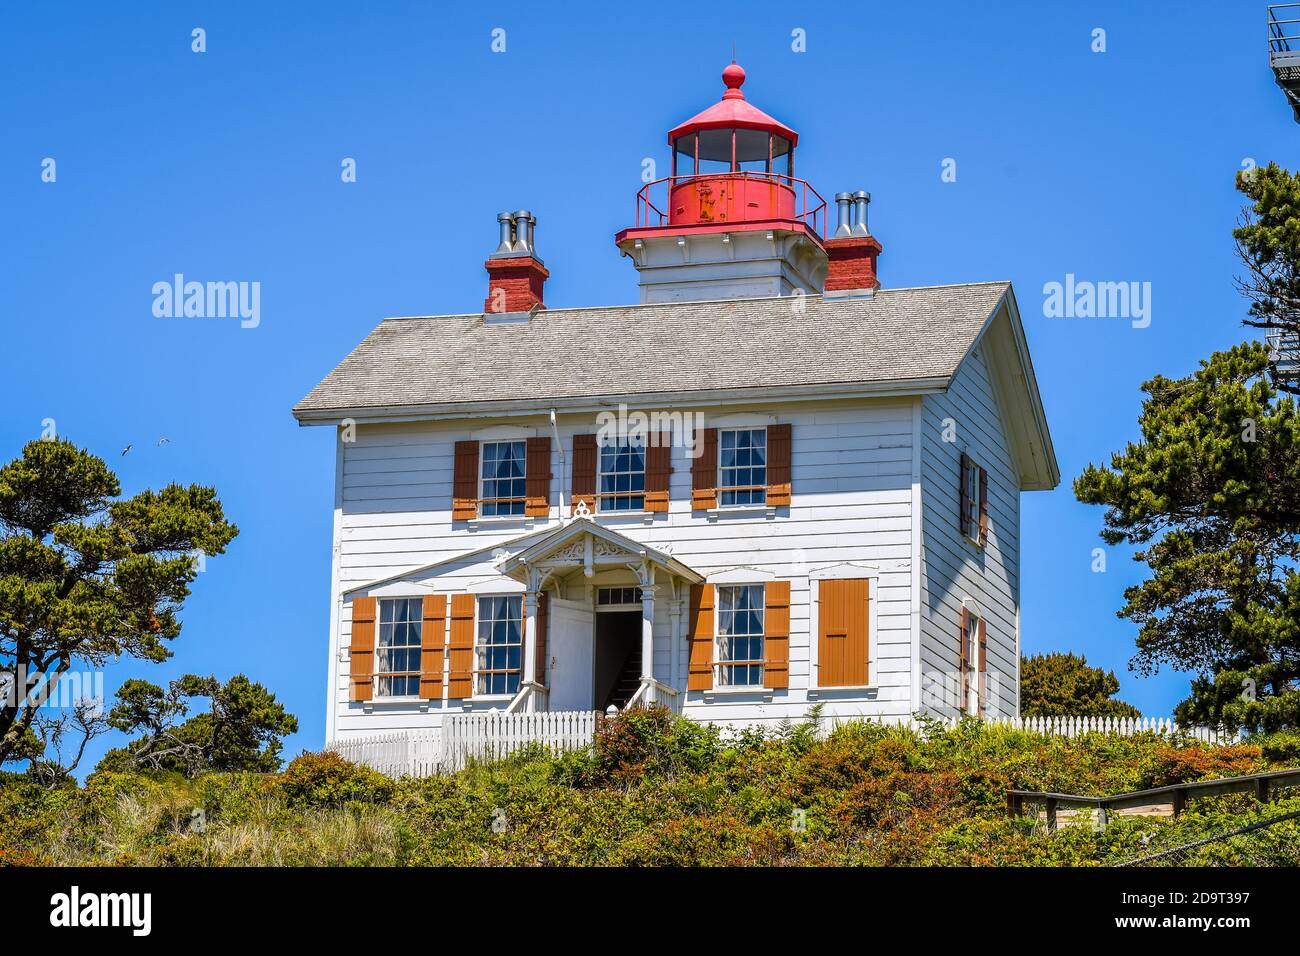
731	220
732	165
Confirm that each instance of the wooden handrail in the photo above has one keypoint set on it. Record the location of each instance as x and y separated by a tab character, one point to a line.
1175	794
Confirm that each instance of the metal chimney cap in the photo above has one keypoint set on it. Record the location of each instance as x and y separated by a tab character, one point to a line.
523	214
505	217
843	197
862	194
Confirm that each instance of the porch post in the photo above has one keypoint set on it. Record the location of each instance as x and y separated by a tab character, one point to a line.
678	643
530	639
647	631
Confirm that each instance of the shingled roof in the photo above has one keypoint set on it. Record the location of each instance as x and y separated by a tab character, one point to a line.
897	339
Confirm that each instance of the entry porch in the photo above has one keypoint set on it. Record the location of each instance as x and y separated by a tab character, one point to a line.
594	602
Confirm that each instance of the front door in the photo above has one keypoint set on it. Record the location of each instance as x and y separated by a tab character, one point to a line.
572	628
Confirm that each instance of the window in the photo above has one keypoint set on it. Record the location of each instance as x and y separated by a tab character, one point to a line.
972	502
398	648
740	635
974	497
622	476
618	597
500	645
970	683
742	478
503	488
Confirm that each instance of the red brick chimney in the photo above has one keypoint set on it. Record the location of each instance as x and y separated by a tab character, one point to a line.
515	274
852	251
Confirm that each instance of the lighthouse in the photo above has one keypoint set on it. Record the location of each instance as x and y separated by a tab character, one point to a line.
734	221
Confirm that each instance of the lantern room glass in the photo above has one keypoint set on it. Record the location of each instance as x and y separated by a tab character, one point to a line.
712	152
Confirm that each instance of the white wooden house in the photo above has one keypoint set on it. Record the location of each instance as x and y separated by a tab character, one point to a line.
771	484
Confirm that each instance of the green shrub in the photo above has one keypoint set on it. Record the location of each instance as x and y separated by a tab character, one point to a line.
656	790
653	742
327	780
1281	748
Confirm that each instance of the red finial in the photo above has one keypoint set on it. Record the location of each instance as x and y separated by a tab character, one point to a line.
734	77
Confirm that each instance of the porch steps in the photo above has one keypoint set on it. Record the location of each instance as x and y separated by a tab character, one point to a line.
629	680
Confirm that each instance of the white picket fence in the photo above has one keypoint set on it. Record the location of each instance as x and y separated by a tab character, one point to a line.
495	735
410	753
465	737
1119	726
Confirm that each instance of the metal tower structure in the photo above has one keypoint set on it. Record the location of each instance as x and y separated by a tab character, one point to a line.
1284	50
1284	356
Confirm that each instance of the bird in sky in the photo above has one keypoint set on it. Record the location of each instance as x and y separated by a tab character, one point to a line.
163	441
127	448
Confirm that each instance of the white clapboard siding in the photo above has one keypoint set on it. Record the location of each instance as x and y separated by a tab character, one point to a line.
852	473
954	569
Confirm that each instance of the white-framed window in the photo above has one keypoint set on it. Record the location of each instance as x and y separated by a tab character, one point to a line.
622	476
397	648
973	502
742	466
499	648
970	658
502	473
740	616
973	494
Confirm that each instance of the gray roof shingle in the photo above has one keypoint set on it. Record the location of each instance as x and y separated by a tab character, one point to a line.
899	335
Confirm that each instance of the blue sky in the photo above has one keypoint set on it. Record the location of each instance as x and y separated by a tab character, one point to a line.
1114	166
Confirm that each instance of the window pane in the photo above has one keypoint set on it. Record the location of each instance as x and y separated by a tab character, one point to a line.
622	476
499	653
743	466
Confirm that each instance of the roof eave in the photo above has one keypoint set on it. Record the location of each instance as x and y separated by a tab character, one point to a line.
362	414
1038	472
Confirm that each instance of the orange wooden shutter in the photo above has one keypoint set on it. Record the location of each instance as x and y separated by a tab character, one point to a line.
460	684
543	623
700	671
537	478
362	652
982	688
464	492
778	464
984	507
843	639
433	632
657	469
584	471
776	634
963	499
963	692
704	472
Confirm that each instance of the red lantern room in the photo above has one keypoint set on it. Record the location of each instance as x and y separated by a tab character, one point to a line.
732	162
709	228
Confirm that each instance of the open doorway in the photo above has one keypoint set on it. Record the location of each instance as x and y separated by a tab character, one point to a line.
617	671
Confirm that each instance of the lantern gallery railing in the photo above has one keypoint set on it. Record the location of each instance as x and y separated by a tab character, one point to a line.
1284	31
736	196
